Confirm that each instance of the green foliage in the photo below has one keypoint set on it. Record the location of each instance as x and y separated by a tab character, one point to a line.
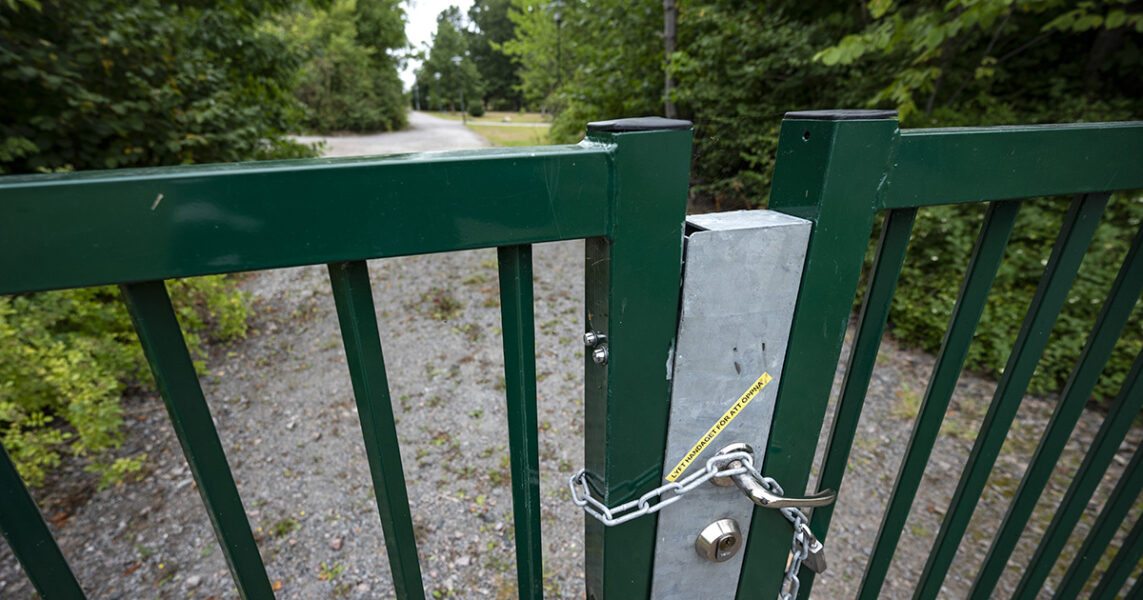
66	356
967	55
349	81
117	83
735	82
939	248
598	60
476	109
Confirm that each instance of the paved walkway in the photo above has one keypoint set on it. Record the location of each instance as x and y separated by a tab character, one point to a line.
425	133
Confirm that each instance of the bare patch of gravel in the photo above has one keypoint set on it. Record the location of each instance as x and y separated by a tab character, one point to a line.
285	412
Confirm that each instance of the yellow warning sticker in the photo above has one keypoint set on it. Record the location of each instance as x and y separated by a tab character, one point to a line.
713	432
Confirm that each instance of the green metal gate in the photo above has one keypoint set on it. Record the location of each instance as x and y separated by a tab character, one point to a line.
624	190
840	169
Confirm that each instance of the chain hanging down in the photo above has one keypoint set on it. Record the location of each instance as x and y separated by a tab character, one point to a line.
722	465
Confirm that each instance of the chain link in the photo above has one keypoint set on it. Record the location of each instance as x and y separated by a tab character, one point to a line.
802	545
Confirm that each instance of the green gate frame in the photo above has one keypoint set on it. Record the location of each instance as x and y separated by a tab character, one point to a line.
623	189
840	169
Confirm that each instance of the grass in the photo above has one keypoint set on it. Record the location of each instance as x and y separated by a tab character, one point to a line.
497	117
512	136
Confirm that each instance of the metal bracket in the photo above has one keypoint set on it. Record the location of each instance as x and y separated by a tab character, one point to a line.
741	276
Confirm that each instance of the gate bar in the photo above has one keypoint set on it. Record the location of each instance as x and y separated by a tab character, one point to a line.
895	233
28	536
519	336
166	351
1063	264
353	297
1108	326
1097	540
1115	426
987	254
1121	566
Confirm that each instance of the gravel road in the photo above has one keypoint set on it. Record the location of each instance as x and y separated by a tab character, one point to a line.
425	133
284	407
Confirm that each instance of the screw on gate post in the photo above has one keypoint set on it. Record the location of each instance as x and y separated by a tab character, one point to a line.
593	339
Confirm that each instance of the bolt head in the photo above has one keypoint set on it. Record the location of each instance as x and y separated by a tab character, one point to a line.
599	355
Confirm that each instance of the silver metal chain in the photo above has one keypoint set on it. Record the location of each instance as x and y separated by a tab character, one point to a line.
803	544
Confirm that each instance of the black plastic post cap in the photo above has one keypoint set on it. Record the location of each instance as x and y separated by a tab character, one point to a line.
638	124
841	115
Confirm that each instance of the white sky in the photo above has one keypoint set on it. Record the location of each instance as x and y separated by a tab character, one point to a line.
422	23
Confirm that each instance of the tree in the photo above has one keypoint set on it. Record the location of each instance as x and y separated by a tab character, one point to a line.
598	60
349	81
449	74
498	70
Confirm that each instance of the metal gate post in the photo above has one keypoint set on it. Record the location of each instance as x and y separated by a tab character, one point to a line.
632	294
830	168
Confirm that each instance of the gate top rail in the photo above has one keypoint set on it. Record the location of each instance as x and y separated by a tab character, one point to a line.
90	228
974	164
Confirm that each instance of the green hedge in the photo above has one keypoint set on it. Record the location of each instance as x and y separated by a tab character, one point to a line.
938	254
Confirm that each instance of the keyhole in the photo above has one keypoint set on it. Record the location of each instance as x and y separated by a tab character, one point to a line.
726	544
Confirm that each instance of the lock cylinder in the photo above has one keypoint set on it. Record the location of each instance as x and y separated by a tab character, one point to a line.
719	541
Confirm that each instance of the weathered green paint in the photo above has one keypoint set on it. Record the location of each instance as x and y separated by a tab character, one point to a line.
518	324
632	296
1087	478
1103	530
1063	264
982	267
895	232
353	297
166	352
1108	326
974	164
1125	561
29	538
829	172
145	224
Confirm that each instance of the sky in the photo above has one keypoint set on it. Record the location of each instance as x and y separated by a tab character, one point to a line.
422	23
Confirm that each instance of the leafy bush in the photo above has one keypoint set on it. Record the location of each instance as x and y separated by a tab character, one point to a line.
110	84
476	109
100	85
66	357
939	250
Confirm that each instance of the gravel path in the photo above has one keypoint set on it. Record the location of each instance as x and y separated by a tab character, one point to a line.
425	133
284	407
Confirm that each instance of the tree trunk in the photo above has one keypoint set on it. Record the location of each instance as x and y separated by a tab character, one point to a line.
670	21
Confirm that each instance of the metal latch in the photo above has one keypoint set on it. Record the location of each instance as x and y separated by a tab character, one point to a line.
758	493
